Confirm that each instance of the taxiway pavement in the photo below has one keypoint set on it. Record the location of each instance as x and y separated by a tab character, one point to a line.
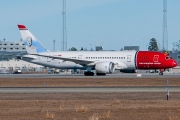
128	75
115	89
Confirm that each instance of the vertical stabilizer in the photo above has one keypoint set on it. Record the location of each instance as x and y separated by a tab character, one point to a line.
32	44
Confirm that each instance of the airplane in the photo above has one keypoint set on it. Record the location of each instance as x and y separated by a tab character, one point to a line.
102	62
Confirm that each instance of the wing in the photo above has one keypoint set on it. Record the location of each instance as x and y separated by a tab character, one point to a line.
77	61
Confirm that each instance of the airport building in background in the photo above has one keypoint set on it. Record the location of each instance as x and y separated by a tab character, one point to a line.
136	48
99	48
9	50
8	53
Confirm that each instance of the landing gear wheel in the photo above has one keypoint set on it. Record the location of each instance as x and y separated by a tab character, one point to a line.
161	73
89	73
100	74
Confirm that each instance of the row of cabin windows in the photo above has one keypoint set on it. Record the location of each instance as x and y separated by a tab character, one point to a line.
103	57
12	48
11	44
167	58
143	57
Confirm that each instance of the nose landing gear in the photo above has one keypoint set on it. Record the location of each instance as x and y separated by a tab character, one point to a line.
161	71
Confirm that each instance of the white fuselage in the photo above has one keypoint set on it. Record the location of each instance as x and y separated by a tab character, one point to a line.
122	59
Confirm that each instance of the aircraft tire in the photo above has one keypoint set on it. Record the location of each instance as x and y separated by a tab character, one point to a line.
161	73
100	74
89	73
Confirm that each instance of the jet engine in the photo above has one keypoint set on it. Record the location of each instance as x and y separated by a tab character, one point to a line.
105	67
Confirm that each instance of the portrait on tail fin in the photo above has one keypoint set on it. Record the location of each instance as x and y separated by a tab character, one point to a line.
29	41
29	46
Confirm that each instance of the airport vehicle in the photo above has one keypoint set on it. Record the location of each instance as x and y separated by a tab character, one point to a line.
103	62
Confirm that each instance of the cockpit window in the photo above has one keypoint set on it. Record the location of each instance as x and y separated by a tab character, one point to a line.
168	57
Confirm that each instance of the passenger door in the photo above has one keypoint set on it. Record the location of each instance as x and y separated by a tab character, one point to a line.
79	56
128	58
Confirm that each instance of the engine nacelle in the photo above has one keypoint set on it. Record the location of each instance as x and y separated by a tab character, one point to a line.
105	67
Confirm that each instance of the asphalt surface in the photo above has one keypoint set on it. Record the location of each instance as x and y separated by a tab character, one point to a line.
118	89
104	89
128	75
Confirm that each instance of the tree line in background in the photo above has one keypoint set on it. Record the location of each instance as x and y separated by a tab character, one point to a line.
75	49
153	46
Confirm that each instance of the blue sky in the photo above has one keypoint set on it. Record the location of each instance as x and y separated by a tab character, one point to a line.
111	23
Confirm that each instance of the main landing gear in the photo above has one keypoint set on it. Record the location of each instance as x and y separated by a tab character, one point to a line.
89	73
161	71
100	74
92	74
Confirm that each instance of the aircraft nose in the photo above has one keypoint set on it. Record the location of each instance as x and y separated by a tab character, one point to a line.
174	64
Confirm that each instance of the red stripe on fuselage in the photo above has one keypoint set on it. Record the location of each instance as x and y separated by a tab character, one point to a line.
149	60
153	60
144	60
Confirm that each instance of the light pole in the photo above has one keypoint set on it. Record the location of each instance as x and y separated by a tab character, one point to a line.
91	47
54	44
